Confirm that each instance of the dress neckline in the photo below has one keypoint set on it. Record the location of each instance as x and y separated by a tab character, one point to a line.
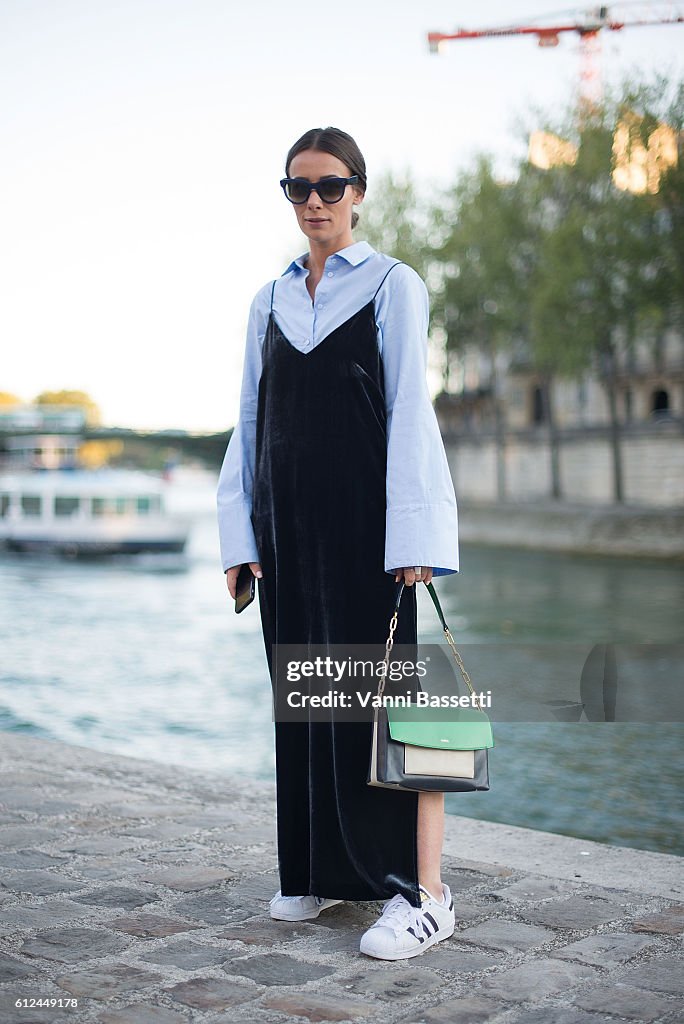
272	320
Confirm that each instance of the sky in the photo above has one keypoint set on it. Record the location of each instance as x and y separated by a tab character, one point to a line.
143	142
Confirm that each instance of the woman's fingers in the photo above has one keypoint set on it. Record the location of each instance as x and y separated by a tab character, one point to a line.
233	573
411	574
231	579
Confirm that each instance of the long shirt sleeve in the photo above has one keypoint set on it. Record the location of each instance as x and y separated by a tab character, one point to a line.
422	517
234	492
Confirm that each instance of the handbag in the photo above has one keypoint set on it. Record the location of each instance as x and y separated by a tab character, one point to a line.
419	750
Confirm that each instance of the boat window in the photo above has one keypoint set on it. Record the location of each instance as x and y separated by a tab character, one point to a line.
147	504
4	504
110	506
31	504
66	505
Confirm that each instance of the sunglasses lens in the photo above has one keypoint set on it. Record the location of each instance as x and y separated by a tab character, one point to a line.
297	192
331	191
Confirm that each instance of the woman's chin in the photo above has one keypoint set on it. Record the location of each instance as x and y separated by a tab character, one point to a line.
321	233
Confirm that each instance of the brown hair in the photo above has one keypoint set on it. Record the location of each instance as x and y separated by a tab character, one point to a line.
337	143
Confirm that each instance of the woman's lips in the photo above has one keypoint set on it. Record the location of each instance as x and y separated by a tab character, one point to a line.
322	220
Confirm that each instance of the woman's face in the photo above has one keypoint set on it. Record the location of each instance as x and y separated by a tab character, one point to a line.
327	223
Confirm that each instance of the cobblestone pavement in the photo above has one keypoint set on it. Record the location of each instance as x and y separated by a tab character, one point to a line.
137	893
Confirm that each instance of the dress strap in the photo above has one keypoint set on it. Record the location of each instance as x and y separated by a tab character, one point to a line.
383	280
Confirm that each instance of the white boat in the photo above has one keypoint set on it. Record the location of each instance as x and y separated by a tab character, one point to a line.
82	511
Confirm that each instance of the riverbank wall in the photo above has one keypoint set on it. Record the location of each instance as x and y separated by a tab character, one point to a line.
541	524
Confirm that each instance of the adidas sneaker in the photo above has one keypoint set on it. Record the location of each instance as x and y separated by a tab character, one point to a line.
403	931
299	908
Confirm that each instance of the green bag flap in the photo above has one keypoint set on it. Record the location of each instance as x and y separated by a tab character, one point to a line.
447	729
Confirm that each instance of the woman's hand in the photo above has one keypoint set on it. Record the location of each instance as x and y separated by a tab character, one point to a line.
411	576
233	573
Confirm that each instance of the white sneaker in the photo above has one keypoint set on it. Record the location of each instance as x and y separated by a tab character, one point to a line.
402	931
299	908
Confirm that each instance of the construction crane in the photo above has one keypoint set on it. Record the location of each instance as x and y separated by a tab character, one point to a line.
587	24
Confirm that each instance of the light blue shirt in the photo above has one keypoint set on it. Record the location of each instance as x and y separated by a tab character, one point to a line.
421	517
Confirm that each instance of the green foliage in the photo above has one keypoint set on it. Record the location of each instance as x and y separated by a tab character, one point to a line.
561	263
611	266
483	254
560	266
395	219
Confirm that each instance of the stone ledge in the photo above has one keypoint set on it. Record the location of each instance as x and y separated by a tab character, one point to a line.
545	525
142	890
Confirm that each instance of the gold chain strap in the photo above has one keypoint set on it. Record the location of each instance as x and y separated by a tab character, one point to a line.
389	644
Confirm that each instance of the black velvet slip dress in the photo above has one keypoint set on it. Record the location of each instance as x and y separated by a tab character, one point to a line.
318	512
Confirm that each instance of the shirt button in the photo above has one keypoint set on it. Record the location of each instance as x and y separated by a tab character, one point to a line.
330	273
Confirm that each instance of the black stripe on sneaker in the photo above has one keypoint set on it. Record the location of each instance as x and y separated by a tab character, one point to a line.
427	930
431	920
419	937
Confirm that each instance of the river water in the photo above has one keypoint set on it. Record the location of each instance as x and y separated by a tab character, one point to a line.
144	656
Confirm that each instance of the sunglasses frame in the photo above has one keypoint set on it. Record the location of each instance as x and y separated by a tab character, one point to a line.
313	187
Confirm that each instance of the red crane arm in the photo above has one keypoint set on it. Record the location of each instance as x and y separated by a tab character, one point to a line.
550	33
510	30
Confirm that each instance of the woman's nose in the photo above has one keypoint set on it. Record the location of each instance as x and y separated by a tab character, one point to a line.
314	199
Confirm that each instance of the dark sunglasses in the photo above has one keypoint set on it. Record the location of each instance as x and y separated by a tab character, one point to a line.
330	190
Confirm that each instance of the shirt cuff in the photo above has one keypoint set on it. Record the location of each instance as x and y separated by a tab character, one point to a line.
236	535
422	535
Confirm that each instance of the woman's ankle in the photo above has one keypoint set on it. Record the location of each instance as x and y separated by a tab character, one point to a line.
435	888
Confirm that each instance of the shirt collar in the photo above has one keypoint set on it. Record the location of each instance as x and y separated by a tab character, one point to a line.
354	254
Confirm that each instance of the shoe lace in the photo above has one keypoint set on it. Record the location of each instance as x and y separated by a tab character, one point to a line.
399	915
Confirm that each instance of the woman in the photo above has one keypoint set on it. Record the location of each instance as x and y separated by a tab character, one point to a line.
334	488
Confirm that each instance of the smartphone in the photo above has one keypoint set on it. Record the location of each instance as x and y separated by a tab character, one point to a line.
244	589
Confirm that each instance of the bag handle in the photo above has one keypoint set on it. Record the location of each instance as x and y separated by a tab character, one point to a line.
447	632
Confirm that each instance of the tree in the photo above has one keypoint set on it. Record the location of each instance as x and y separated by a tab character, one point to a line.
78	398
482	301
655	107
601	271
7	399
396	221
